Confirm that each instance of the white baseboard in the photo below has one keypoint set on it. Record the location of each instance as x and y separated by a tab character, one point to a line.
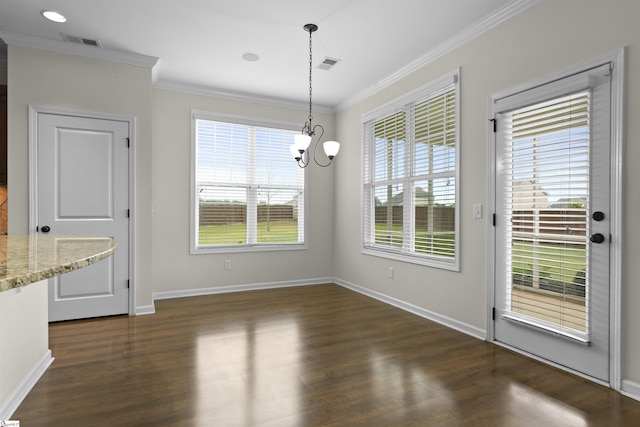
630	389
145	309
419	311
438	318
11	403
238	288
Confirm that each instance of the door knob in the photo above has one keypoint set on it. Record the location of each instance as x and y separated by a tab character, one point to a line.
597	238
45	229
598	216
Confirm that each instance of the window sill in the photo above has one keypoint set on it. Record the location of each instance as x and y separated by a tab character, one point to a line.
207	250
444	264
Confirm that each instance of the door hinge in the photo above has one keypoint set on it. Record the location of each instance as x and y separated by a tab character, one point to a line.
128	283
128	142
493	219
495	125
128	213
493	313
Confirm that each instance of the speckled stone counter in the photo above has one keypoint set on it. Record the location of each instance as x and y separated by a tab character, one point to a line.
26	259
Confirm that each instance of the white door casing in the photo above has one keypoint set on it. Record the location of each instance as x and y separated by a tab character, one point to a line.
82	188
598	356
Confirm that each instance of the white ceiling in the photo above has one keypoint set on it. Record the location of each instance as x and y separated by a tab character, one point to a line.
200	43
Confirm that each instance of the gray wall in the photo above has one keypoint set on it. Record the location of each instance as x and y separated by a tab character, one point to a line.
550	36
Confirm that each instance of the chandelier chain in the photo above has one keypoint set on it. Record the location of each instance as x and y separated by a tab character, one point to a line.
310	81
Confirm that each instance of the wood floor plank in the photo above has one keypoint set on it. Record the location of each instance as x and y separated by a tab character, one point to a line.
302	356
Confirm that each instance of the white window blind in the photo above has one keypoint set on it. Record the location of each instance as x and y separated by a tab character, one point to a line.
248	192
547	148
410	169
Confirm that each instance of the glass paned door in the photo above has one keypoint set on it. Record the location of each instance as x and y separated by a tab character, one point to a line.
552	257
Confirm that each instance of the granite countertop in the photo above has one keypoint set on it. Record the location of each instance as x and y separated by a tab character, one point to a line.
30	258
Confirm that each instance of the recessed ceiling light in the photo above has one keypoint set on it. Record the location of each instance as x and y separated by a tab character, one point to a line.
54	16
251	57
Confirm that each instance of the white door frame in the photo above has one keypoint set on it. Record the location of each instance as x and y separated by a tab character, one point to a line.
617	156
34	112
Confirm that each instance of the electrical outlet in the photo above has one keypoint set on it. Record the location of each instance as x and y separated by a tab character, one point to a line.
390	272
227	264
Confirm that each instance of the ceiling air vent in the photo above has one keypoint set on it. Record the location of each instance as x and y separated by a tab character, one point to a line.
80	40
328	63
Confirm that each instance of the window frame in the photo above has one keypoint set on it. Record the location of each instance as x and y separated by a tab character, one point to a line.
194	247
406	103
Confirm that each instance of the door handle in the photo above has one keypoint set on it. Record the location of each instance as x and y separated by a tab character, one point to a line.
597	238
45	229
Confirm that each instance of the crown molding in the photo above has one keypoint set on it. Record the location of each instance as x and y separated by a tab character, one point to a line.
456	41
500	16
238	96
59	46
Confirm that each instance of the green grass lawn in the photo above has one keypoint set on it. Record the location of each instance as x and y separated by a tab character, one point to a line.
556	263
236	234
442	244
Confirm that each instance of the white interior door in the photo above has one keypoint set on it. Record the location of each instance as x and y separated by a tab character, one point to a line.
83	189
553	222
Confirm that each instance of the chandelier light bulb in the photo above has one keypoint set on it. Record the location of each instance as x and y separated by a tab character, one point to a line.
301	141
331	148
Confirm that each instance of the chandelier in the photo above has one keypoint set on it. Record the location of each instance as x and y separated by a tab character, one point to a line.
300	147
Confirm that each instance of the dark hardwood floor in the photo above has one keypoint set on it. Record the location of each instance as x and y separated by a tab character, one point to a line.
306	356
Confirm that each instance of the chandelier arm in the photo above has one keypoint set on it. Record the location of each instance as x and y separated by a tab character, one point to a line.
315	148
302	161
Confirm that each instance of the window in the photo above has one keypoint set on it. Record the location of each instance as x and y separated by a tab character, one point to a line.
410	177
552	175
247	192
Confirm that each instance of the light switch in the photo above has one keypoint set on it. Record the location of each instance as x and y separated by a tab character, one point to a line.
477	211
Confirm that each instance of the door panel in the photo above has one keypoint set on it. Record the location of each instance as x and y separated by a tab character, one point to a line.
86	282
83	189
85	171
553	172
